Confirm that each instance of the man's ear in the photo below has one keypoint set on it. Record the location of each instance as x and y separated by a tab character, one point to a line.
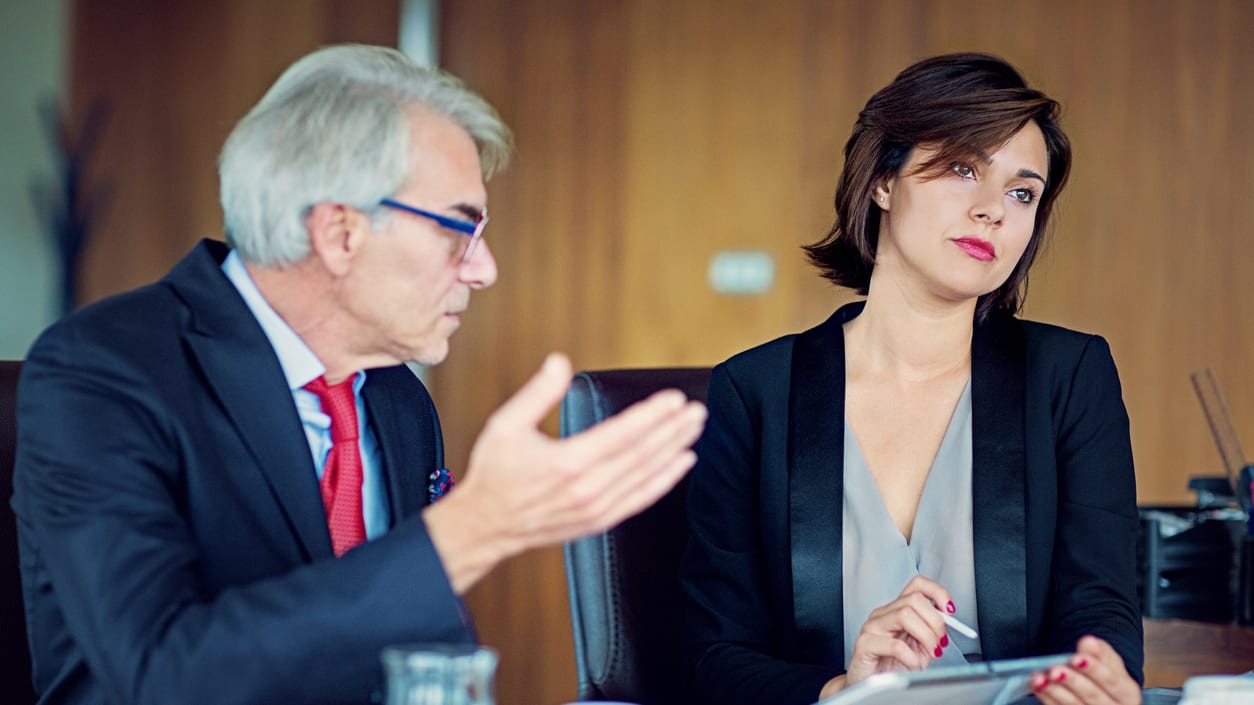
336	234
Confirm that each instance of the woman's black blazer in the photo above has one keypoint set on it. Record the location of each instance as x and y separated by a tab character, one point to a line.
1054	511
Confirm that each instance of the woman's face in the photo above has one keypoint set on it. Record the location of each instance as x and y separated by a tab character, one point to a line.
958	236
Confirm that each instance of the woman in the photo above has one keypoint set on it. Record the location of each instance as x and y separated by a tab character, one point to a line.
924	449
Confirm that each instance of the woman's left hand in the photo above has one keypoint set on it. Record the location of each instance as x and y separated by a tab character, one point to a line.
1095	675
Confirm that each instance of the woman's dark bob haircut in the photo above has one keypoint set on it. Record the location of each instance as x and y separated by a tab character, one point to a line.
966	106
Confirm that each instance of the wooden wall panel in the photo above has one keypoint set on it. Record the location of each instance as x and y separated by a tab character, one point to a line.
559	237
175	78
1152	247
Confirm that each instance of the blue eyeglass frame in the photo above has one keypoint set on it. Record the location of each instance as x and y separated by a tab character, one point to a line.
466	227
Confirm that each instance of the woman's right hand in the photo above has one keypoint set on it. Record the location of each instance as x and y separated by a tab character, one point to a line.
904	635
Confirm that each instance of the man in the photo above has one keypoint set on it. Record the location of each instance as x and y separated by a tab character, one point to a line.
223	479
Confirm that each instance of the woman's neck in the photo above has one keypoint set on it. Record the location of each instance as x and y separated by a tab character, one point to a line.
897	338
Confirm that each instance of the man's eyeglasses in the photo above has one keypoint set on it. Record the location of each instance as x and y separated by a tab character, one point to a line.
472	228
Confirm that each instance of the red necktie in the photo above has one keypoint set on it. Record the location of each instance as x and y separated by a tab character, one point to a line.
341	476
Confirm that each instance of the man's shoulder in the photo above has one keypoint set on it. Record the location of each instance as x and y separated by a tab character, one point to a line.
131	320
141	319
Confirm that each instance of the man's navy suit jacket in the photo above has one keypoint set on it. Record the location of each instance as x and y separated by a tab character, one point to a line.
173	541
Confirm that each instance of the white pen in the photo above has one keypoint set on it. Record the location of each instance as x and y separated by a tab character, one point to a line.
958	626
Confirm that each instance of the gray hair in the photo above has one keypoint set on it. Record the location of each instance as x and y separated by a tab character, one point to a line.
336	127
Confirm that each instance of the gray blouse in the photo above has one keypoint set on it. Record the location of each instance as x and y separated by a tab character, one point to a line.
878	562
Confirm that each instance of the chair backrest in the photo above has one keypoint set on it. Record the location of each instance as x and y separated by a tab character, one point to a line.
15	673
625	602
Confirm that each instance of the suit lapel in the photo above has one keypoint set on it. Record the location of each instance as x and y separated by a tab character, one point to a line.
998	485
242	370
816	485
407	431
816	452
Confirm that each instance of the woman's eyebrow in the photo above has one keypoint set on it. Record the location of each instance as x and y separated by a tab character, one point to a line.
1024	173
1029	174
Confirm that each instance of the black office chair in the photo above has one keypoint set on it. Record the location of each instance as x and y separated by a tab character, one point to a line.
625	605
15	674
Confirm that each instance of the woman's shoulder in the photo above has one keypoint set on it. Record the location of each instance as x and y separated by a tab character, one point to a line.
1050	334
777	355
766	359
1048	346
1051	337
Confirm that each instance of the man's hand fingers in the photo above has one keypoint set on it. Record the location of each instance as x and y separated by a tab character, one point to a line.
620	484
616	472
642	495
615	462
535	399
547	490
625	429
560	519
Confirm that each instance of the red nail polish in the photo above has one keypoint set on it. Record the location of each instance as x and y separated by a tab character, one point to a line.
937	651
944	640
949	607
1082	663
1060	676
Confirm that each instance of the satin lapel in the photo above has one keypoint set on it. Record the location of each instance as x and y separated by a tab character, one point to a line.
998	485
403	422
816	443
242	370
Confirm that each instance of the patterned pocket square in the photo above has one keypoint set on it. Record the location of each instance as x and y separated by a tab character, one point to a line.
439	483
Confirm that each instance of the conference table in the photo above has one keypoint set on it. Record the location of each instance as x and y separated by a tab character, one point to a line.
1178	649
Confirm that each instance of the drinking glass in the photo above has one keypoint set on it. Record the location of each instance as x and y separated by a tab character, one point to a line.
439	674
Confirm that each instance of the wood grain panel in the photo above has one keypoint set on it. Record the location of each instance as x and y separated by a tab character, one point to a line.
175	78
1152	246
559	237
1178	649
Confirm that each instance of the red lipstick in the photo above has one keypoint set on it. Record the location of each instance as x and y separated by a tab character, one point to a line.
977	248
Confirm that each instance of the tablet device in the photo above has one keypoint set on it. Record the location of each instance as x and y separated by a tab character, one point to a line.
984	683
